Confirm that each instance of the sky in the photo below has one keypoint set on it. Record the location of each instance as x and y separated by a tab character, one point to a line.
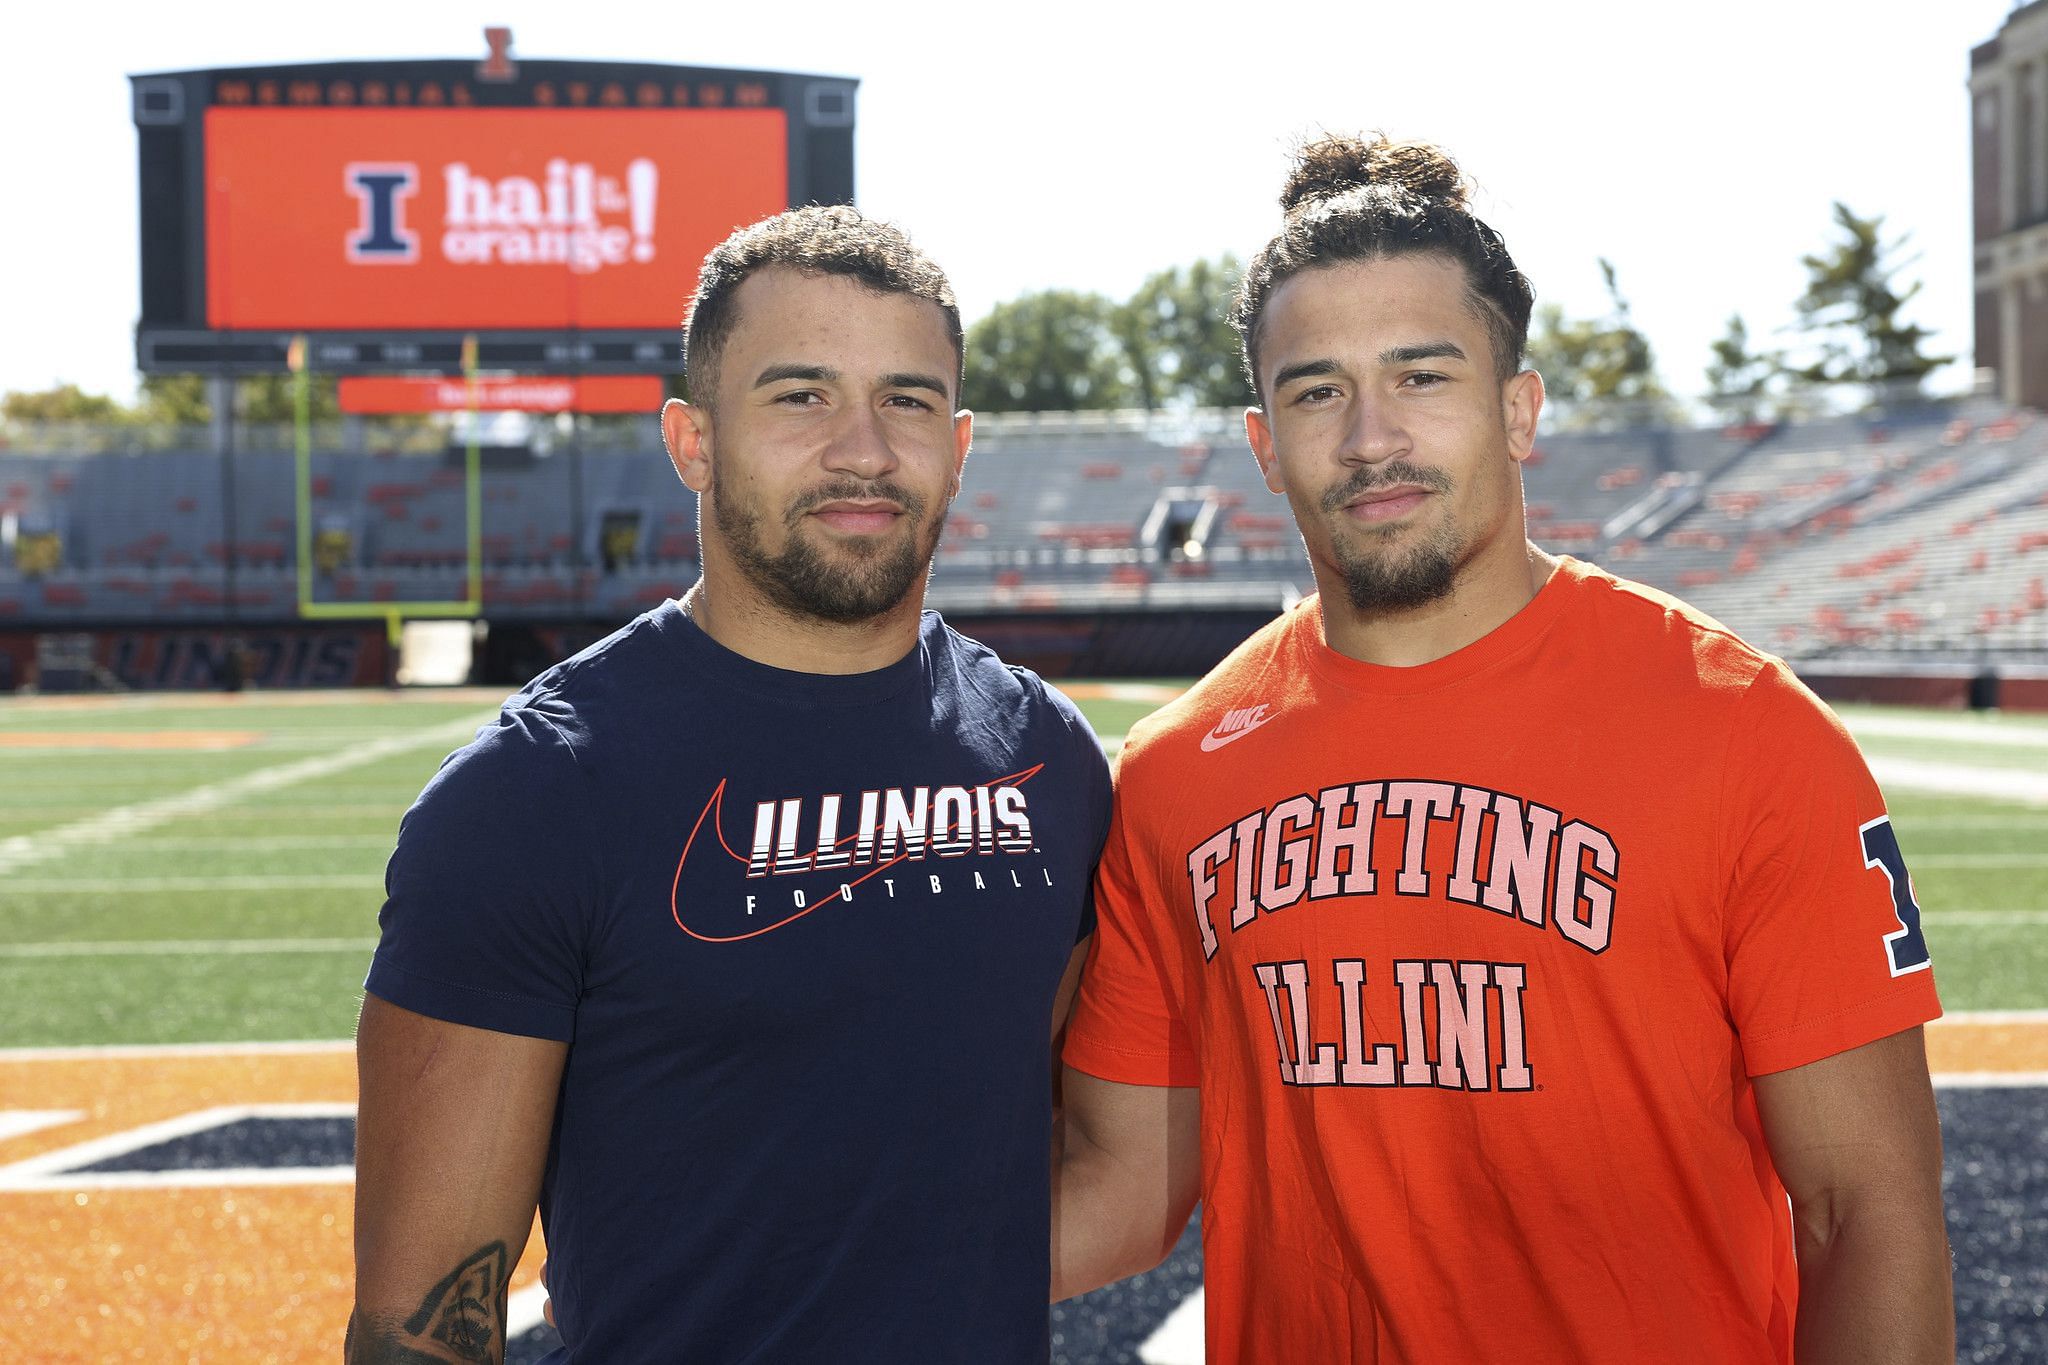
1086	145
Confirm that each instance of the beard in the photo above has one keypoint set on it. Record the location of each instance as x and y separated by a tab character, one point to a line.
1377	575
870	576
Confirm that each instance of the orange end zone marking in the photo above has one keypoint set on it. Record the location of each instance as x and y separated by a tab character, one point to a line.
1988	1042
130	739
265	1273
203	1272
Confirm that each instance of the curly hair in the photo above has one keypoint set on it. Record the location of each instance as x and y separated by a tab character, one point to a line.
1359	199
829	239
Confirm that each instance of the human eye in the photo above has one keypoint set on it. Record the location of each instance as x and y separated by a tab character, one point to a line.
1314	397
800	398
1424	379
907	402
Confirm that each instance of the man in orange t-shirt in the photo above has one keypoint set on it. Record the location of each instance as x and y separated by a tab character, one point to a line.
1491	944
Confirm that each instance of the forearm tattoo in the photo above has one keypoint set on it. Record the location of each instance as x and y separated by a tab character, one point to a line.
462	1319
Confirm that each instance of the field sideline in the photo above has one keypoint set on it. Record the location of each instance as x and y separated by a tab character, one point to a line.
189	887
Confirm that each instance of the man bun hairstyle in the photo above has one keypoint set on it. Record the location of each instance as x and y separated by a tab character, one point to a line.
1331	166
1351	198
820	239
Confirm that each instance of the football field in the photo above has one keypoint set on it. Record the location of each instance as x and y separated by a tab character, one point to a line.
189	886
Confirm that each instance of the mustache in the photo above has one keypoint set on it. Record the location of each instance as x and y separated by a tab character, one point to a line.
1370	478
856	490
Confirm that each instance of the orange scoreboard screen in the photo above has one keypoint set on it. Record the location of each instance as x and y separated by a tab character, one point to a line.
521	215
541	219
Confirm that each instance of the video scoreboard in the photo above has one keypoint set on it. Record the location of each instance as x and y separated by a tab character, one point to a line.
556	210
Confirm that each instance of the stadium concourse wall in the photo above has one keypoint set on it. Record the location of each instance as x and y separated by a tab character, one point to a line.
1094	643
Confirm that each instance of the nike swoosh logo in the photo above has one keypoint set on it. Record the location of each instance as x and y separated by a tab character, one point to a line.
713	815
1212	741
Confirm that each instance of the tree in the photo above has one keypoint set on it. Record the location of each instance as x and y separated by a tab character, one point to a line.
273	398
1178	339
1739	379
1055	350
1851	309
61	403
1597	360
175	400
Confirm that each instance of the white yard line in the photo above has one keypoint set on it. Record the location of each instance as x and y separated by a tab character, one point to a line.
1982	859
309	881
15	1122
156	1051
262	843
24	850
20	810
1985	917
1960	779
1967	732
54	1170
187	947
1178	1340
522	1310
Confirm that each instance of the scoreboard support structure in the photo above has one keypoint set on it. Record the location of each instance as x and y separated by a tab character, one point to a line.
454	219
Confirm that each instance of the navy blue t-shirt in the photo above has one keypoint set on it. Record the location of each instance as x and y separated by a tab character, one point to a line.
802	934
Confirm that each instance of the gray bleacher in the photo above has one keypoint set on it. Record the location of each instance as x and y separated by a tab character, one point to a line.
1905	535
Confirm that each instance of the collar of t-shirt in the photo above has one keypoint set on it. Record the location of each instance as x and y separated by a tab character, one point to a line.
707	659
1499	645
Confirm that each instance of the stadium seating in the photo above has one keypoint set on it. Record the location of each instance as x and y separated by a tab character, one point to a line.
1902	536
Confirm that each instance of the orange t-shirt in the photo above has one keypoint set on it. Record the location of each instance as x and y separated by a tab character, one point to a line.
1473	963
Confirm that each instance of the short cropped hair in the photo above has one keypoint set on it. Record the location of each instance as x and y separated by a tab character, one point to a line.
829	239
1360	199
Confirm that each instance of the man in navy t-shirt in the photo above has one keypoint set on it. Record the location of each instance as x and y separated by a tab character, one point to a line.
736	942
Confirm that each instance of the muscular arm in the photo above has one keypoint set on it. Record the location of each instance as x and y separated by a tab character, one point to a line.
1127	1168
1857	1143
451	1135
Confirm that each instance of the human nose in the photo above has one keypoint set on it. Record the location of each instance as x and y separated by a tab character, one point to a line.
860	446
1375	433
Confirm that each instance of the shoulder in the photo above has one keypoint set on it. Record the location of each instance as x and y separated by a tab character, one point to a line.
966	663
988	686
1666	637
520	754
595	691
1773	721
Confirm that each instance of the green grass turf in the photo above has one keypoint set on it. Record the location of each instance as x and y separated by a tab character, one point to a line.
181	999
1968	855
1112	718
1989	967
115	916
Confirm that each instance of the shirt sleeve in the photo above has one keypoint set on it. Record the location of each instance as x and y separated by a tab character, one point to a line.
1127	1024
492	888
1823	938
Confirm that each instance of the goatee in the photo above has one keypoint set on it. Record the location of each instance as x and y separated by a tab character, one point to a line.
803	580
1392	580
